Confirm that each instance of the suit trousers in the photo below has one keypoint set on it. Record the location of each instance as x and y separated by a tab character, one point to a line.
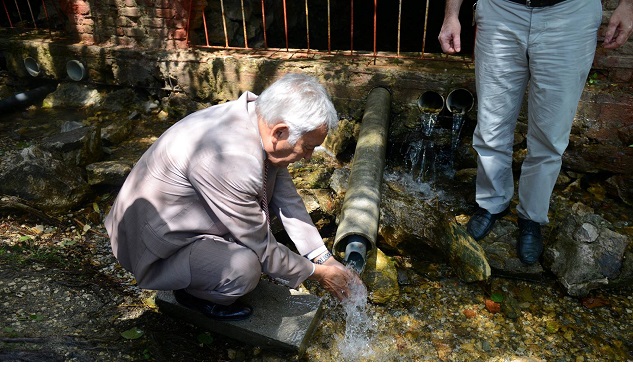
548	52
221	270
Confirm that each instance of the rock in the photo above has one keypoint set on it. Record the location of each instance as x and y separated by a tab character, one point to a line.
79	146
381	278
108	173
73	95
48	183
587	253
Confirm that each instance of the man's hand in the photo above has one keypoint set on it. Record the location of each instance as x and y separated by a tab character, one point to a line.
620	25
449	37
337	279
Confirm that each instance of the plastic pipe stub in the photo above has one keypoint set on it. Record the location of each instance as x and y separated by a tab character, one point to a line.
32	67
75	70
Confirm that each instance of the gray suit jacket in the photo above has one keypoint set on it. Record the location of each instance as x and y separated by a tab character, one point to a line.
203	178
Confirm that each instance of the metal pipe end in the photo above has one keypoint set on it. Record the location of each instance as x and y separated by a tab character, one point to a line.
460	101
431	102
356	253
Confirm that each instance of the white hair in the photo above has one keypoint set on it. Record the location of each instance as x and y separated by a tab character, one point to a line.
299	101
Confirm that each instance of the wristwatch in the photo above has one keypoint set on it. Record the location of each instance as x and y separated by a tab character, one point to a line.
324	257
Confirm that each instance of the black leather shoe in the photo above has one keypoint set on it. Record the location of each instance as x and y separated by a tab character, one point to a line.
530	241
482	221
235	311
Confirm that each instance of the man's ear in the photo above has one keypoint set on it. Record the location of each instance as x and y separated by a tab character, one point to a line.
280	132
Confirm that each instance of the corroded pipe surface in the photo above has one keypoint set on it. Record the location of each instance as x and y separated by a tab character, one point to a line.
360	213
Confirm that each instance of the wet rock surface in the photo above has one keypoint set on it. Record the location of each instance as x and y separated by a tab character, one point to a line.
64	297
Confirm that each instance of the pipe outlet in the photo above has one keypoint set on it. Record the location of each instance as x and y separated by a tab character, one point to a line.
431	102
75	70
32	67
460	101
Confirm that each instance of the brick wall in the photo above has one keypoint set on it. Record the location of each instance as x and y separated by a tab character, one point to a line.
132	23
616	64
162	24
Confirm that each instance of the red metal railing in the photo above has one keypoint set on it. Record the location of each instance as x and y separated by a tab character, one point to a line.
199	11
15	10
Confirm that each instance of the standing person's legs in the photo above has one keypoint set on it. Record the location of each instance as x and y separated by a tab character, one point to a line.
561	49
501	71
501	76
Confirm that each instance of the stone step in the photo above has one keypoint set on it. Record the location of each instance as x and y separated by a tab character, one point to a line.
282	318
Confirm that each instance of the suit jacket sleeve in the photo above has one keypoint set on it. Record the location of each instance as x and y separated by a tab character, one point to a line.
287	204
231	186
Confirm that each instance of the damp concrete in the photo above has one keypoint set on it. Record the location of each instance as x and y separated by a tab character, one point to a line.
282	318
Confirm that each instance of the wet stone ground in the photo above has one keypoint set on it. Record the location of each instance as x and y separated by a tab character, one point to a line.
64	298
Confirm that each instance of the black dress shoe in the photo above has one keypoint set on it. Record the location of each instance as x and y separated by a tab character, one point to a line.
482	221
235	311
530	242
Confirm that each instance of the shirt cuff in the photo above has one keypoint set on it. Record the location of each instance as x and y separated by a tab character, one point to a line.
317	252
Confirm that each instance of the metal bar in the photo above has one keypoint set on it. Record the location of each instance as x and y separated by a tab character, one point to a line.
329	40
7	12
286	24
244	25
32	16
188	28
426	22
204	24
48	21
226	36
264	24
351	42
307	27
17	7
375	26
399	22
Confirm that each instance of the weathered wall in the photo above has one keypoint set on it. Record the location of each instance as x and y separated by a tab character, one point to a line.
162	24
602	133
132	23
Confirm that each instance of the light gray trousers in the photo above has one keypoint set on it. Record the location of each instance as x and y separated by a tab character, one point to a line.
222	271
552	48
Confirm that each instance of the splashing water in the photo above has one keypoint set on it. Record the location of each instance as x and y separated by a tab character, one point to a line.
356	344
458	122
428	122
420	157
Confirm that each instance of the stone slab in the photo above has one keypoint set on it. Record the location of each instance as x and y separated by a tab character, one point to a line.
282	318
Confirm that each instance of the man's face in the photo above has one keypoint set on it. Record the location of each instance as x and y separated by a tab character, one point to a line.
284	153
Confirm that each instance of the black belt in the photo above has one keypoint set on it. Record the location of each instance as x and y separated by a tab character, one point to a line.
537	3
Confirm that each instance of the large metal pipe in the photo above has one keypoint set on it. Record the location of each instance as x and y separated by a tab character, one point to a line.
22	100
358	223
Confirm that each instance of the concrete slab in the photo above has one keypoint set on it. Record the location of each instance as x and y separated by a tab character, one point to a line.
282	317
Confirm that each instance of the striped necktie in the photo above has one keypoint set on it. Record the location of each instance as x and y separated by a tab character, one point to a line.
264	202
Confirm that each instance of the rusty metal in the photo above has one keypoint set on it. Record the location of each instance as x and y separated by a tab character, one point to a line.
206	32
426	18
375	27
48	22
32	16
226	35
264	24
286	24
351	41
8	15
307	27
17	7
244	25
329	40
188	28
399	23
